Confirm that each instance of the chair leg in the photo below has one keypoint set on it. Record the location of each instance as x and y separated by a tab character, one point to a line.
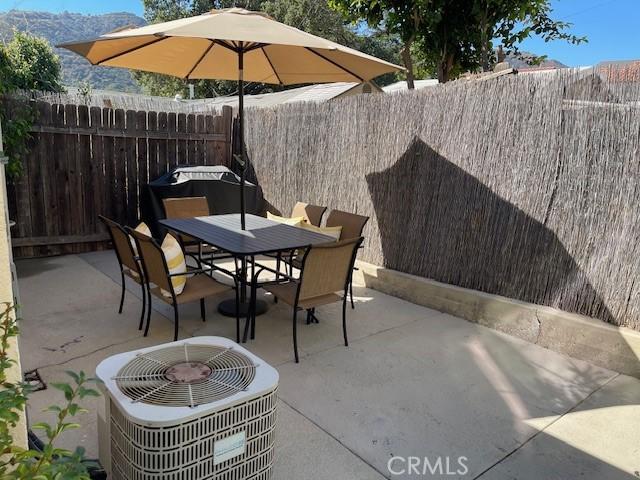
237	315
175	320
122	294
254	293
246	326
149	308
309	316
202	310
295	333
344	320
351	293
144	306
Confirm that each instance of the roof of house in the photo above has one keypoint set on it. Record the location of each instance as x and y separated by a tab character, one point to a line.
402	85
321	92
617	71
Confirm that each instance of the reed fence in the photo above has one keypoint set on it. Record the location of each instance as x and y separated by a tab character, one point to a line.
89	161
524	186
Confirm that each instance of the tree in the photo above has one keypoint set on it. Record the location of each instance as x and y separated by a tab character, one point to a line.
33	65
451	36
313	16
26	63
403	18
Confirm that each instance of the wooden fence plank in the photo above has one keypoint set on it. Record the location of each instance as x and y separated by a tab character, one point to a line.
86	211
200	158
73	184
97	180
60	187
142	175
131	213
109	187
181	153
163	145
172	145
120	171
154	166
38	172
191	144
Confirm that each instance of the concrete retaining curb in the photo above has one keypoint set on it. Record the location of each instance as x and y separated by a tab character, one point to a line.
584	338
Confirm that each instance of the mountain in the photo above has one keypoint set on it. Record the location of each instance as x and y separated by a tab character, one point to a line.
523	62
64	27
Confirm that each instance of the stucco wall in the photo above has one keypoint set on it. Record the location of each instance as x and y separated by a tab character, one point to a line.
6	290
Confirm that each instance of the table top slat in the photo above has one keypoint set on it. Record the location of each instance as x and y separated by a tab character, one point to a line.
261	235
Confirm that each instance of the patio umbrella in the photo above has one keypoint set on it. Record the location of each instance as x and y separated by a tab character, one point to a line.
232	44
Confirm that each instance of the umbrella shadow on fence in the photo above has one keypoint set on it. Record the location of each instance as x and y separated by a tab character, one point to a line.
440	222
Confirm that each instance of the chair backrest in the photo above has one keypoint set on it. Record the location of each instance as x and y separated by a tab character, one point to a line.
352	224
311	213
153	261
327	268
186	207
121	243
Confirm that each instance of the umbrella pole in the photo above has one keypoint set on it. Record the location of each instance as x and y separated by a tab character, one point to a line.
243	165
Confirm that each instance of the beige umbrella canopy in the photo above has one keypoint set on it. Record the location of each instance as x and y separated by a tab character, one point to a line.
232	44
208	46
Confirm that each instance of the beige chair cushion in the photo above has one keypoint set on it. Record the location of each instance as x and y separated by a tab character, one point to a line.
334	232
197	287
144	230
176	263
295	221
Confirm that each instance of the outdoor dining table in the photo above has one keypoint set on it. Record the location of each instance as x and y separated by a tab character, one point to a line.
260	236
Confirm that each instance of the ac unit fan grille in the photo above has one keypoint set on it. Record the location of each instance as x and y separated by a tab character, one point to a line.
185	376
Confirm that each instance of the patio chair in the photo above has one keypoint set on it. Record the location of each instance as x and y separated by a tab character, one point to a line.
128	262
189	207
325	270
352	227
311	213
199	285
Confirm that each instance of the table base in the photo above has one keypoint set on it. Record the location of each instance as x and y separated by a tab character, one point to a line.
228	308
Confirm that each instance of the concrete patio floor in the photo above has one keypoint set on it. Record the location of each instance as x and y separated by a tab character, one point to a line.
413	383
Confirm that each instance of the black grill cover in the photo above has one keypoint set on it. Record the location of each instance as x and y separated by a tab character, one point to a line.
219	184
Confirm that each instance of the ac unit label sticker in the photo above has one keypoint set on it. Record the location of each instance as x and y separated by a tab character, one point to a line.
227	448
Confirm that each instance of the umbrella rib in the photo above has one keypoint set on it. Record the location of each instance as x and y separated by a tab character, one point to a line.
155	40
335	63
200	59
271	65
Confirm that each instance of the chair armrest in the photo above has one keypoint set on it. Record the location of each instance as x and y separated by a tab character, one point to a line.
262	267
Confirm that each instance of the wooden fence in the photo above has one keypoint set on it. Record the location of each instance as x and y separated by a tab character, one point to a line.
89	161
527	186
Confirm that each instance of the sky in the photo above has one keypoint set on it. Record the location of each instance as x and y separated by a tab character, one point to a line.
611	26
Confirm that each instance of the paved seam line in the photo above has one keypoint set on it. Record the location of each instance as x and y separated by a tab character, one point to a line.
545	428
332	436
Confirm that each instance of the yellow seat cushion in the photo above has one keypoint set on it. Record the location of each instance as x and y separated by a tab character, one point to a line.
334	232
295	221
176	263
144	230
